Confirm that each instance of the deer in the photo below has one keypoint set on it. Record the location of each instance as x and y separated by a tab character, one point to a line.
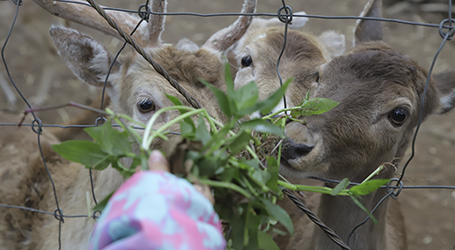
381	94
134	88
257	52
89	60
61	35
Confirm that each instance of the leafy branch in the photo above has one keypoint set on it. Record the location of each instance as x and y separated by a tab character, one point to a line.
229	157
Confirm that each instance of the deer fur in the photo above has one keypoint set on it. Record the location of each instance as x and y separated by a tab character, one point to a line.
380	93
90	61
132	81
303	55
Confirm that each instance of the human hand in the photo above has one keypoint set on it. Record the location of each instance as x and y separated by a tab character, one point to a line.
158	162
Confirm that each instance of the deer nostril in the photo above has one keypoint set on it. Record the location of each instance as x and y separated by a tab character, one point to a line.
302	149
292	150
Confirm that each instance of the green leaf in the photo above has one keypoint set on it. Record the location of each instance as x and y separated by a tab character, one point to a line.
357	202
102	164
202	134
228	79
240	142
217	137
342	185
208	165
86	153
246	97
125	172
267	105
136	163
253	163
144	162
278	231
318	106
266	241
368	186
186	130
237	222
229	174
102	204
221	97
262	176
279	214
273	168
111	140
252	222
177	102
263	126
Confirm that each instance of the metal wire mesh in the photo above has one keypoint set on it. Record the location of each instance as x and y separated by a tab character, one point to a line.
285	14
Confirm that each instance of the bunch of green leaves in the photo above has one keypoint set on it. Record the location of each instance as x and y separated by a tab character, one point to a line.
246	190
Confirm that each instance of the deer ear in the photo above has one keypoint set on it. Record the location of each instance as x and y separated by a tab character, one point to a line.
334	43
369	30
445	82
297	22
87	58
186	44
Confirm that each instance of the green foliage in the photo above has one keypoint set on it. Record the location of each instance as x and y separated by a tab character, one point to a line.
245	190
314	106
368	186
266	241
102	204
341	186
111	146
86	153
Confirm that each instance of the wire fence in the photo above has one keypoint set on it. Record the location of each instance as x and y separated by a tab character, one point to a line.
285	15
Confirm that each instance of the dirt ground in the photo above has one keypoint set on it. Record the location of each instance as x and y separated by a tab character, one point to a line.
429	214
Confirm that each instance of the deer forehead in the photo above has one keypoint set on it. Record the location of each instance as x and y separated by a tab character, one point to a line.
302	56
371	77
268	43
142	81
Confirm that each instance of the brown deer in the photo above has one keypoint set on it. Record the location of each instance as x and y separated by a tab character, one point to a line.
257	53
380	93
134	88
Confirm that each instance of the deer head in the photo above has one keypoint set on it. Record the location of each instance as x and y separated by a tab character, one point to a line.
134	87
380	94
257	53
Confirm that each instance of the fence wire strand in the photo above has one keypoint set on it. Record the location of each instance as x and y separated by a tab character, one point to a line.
286	18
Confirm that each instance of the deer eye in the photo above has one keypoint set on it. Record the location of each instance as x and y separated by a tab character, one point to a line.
316	76
247	61
398	116
146	106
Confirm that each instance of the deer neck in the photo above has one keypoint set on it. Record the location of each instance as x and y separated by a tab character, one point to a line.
342	215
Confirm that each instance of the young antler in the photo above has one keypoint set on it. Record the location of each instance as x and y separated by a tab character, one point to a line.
147	35
226	37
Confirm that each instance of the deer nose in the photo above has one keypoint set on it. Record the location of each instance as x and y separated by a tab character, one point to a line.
292	150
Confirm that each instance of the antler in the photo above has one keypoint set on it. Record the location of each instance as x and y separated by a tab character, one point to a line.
146	35
226	37
157	21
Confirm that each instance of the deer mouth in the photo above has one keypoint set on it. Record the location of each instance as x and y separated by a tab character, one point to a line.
285	164
303	169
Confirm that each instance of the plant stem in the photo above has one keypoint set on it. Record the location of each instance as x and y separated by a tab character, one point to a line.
248	184
225	185
147	139
287	185
373	174
279	111
315	189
